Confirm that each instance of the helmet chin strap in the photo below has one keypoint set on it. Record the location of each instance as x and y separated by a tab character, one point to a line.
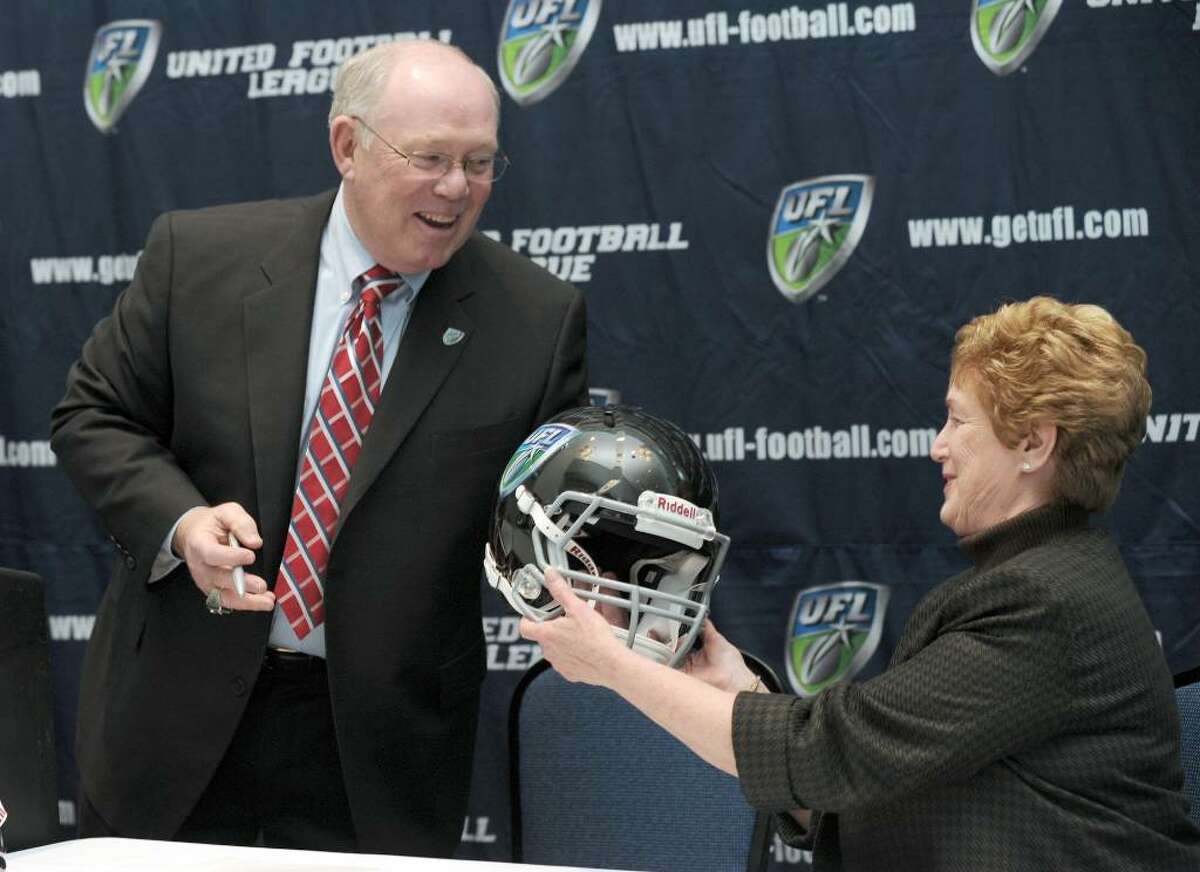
652	648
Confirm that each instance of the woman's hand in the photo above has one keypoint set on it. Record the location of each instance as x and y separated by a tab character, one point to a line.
579	643
719	663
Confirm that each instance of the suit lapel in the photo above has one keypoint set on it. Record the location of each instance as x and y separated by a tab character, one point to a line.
277	324
426	356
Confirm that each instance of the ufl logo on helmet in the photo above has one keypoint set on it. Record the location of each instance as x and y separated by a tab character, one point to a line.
1005	32
833	631
815	228
122	54
537	448
540	43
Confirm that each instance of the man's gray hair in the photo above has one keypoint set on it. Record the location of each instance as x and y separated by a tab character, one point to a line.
361	79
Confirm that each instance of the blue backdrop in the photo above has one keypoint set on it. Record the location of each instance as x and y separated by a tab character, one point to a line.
779	215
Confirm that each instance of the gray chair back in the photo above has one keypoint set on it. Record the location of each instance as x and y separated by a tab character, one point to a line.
1188	699
596	783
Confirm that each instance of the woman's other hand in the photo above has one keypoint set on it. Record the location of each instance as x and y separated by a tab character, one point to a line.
719	663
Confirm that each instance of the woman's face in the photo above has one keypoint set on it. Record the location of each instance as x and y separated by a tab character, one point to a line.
982	479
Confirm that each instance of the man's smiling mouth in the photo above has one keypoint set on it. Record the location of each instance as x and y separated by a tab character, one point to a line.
435	220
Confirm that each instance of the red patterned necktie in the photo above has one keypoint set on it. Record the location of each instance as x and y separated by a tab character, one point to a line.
339	425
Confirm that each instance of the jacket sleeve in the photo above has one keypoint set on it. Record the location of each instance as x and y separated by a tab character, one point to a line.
566	382
111	431
994	678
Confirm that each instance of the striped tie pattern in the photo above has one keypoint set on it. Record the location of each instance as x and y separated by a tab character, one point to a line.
339	425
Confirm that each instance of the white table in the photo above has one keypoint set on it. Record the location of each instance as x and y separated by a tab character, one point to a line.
142	855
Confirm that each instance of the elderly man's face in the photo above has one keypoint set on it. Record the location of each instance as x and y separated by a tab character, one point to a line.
982	481
412	221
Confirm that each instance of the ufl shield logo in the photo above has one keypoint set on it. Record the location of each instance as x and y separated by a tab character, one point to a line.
540	43
834	630
539	447
1005	32
122	54
815	228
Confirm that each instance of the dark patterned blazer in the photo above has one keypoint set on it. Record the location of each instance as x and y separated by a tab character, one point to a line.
1027	721
192	392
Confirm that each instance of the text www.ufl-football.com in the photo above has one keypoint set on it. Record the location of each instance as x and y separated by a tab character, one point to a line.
854	442
784	25
863	442
1060	224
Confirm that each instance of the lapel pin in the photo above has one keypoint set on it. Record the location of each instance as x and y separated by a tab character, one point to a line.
452	336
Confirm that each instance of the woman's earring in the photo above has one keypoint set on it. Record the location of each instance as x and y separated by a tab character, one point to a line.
1026	466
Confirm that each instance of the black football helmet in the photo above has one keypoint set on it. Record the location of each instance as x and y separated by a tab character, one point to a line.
624	505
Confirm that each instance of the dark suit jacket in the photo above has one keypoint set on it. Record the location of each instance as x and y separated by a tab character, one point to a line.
1027	721
191	393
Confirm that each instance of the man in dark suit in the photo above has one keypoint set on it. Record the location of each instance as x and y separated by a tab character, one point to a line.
334	704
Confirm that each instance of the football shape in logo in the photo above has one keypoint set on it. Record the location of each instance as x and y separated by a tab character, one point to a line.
533	59
816	226
1005	32
122	55
540	43
833	631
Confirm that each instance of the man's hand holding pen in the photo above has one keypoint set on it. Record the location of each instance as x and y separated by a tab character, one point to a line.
217	543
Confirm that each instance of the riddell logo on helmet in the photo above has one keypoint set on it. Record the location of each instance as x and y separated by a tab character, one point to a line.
657	504
677	506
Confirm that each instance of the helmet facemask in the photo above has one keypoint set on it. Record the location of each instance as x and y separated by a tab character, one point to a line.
649	568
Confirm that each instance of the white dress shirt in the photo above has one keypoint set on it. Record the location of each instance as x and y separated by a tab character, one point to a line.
343	259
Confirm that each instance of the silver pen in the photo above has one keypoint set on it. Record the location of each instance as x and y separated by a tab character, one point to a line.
239	574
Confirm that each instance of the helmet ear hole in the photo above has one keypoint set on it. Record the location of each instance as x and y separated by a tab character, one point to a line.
649	575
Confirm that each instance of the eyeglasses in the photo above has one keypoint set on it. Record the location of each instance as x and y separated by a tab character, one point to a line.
434	164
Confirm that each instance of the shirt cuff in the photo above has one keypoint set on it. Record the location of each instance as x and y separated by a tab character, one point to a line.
165	560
